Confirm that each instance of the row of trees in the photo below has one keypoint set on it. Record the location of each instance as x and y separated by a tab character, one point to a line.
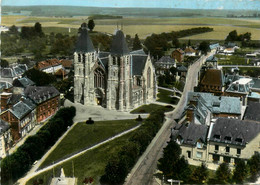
158	43
17	164
119	165
233	36
174	166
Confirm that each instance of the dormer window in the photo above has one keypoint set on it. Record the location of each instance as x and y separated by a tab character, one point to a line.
216	136
179	140
199	144
227	138
239	140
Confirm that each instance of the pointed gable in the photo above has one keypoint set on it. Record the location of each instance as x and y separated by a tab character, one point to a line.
84	43
119	46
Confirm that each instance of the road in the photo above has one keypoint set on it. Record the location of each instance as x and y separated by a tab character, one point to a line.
145	168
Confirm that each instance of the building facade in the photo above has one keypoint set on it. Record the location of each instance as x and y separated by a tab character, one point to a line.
118	80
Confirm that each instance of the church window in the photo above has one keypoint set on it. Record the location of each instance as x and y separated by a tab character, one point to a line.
149	77
79	58
114	60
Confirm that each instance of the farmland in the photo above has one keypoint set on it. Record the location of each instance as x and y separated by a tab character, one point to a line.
143	26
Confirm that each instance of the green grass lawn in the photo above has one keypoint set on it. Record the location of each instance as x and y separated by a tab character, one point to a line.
91	164
164	96
84	135
231	60
149	108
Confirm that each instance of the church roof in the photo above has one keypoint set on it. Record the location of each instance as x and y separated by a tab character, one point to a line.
84	43
138	64
119	46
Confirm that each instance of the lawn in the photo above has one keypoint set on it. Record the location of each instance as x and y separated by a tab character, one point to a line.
164	96
231	60
90	164
84	135
149	108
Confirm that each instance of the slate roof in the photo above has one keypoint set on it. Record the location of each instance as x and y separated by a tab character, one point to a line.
23	67
240	86
213	77
84	43
217	104
104	62
138	52
190	133
41	94
18	70
182	68
119	46
7	73
23	82
29	103
103	54
214	46
252	111
5	85
4	126
212	58
232	78
138	64
15	98
166	60
256	84
20	109
241	130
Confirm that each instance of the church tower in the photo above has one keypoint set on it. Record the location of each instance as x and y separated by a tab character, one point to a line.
119	74
84	60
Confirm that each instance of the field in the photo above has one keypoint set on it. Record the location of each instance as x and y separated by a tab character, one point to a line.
144	26
90	164
84	135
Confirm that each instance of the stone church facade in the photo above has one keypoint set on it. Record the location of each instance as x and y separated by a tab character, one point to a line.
116	80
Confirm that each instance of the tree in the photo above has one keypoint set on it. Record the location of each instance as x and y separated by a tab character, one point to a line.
240	172
199	174
38	29
175	42
13	30
232	36
4	63
254	166
40	78
204	47
91	24
223	174
137	44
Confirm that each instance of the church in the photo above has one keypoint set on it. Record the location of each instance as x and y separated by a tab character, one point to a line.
117	80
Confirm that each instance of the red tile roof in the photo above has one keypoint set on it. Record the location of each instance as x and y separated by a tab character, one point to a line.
47	63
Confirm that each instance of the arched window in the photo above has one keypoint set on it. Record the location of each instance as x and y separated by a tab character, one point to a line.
149	77
99	80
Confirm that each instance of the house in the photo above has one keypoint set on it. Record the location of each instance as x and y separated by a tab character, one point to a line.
241	88
214	46
178	55
116	80
229	51
9	99
192	139
5	86
61	74
47	99
21	117
202	107
5	138
66	64
212	62
21	83
212	81
9	74
226	140
230	140
49	66
163	64
189	51
182	71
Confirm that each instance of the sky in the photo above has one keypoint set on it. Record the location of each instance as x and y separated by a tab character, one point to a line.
188	4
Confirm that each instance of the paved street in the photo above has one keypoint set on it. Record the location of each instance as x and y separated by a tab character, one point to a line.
143	171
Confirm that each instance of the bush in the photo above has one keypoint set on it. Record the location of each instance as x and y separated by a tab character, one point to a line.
17	164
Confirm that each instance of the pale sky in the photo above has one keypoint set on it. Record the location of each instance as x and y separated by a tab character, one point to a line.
189	4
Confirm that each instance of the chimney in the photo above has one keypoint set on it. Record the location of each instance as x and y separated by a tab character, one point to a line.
4	99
